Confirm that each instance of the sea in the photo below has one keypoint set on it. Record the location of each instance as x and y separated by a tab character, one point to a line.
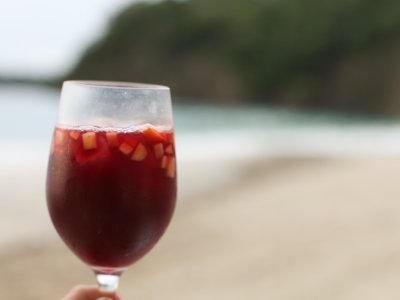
207	133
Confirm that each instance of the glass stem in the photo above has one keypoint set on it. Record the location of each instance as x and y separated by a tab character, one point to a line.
107	282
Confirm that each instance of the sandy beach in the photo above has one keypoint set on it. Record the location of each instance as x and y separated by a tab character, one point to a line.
279	229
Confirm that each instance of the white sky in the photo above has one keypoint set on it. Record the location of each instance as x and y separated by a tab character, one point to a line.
46	37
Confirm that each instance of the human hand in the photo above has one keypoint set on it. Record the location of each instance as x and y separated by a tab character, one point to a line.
89	292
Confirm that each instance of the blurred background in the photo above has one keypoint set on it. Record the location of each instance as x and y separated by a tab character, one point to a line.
287	131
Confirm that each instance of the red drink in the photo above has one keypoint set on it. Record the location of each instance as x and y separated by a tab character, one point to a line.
111	194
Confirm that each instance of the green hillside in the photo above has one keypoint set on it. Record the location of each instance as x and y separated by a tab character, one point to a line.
288	52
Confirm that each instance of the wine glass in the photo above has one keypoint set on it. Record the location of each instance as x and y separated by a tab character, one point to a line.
111	180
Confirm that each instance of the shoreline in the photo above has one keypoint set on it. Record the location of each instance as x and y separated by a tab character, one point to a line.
284	229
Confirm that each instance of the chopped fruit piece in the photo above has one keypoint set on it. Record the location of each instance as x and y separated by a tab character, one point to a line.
171	167
158	150
140	153
172	139
74	135
153	135
169	149
89	140
125	148
59	137
164	161
112	139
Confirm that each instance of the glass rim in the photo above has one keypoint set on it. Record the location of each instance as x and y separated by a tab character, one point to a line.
117	85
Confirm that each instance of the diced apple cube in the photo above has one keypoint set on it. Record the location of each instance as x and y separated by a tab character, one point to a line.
74	135
112	139
164	161
169	149
158	150
125	148
153	135
171	168
59	138
89	140
140	153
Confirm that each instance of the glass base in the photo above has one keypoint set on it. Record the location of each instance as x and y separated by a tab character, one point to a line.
107	282
107	279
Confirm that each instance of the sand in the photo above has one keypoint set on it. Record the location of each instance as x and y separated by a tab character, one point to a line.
284	229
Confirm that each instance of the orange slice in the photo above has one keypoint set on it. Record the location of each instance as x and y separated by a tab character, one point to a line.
125	148
74	135
153	136
169	149
158	150
140	153
171	168
89	140
164	161
59	138
112	139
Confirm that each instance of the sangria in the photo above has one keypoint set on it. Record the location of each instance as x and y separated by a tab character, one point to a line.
111	184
